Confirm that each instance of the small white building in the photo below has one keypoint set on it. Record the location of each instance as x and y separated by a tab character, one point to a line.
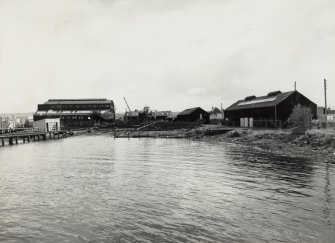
216	115
48	125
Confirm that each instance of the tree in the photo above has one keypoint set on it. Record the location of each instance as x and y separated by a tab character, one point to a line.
301	117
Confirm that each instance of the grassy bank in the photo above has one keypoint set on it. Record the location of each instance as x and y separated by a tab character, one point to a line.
314	143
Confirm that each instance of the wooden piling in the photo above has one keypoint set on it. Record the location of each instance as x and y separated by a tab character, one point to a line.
37	136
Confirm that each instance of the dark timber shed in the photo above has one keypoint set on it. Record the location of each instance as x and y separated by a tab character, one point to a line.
193	114
272	110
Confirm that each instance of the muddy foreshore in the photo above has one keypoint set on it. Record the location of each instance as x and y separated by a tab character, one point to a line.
318	144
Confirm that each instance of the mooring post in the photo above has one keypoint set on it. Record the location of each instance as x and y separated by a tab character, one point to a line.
10	141
34	138
28	138
24	139
3	141
16	140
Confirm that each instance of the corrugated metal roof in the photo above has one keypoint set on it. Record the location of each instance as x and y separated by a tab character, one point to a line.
188	111
258	102
63	113
216	111
77	101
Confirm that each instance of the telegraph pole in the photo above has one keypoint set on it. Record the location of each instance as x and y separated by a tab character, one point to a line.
295	85
326	111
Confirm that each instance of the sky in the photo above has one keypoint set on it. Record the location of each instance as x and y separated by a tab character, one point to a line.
167	54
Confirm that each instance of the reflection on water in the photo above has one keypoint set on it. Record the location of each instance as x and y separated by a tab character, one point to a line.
294	170
95	188
327	195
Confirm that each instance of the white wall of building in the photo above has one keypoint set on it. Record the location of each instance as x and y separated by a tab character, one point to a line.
217	116
47	125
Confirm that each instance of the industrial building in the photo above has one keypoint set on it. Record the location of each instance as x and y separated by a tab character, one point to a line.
193	114
271	110
77	112
146	115
131	116
162	115
4	123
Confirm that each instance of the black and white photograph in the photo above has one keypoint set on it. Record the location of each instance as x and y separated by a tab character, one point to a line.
167	121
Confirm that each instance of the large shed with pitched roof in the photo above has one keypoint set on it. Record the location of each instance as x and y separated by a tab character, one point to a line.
76	112
193	114
271	110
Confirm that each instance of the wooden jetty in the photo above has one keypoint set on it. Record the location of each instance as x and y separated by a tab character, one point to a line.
14	138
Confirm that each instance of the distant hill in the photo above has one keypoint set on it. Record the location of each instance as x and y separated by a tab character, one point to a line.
16	114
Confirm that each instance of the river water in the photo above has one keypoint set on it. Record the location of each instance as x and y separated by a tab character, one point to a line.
97	189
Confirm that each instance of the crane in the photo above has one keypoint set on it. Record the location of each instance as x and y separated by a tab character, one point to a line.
126	103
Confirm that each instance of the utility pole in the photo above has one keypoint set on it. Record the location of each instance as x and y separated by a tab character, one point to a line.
295	85
326	111
61	123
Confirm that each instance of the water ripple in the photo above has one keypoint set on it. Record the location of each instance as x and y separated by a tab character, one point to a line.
97	189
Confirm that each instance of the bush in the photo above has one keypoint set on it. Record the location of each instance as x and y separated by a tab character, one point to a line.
301	117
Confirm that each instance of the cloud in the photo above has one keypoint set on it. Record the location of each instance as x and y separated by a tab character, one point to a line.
197	91
167	54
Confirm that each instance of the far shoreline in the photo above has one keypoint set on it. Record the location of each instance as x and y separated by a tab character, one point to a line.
315	143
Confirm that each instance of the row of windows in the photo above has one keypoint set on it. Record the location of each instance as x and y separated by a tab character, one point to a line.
84	106
72	117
